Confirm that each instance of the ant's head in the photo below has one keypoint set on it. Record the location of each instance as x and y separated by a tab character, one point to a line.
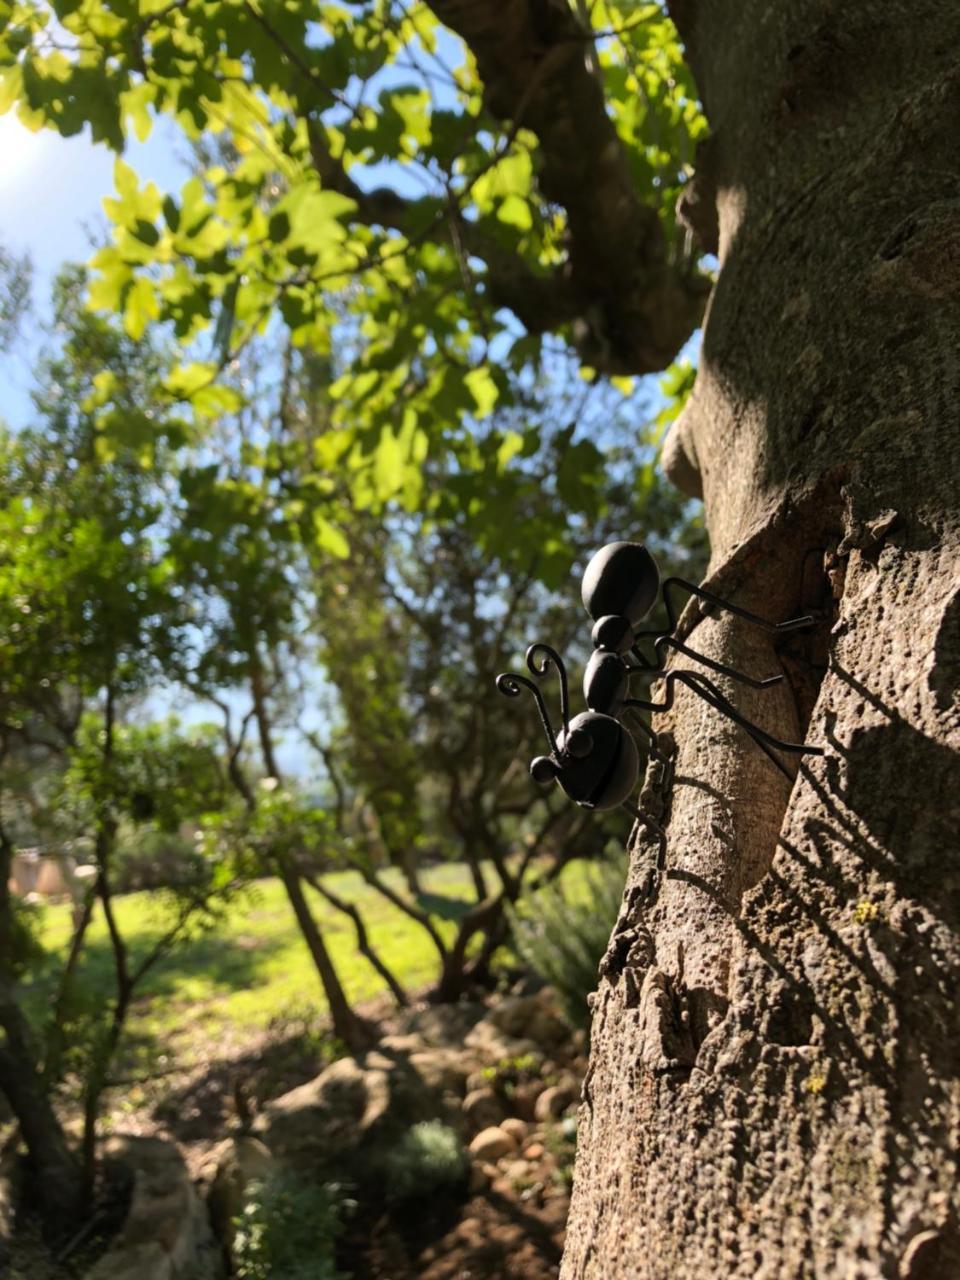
596	764
619	589
593	758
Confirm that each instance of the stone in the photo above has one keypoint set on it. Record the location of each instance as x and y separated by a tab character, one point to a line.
343	1124
440	1025
236	1163
492	1143
516	1169
166	1235
524	1100
493	1045
441	1069
531	1017
137	1262
515	1127
406	1044
554	1101
483	1109
534	1151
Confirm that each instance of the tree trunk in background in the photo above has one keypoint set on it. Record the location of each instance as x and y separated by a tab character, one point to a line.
774	1086
56	1174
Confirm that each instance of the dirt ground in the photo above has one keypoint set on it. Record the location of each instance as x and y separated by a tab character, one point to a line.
509	1227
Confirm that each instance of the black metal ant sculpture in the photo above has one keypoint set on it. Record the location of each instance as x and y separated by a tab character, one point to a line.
594	758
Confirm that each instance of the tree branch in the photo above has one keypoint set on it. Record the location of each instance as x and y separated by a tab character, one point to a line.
629	309
633	310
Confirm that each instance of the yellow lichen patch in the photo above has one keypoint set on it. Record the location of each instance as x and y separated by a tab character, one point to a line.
865	911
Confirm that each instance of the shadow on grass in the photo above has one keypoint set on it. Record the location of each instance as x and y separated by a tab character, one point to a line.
225	965
447	908
225	1088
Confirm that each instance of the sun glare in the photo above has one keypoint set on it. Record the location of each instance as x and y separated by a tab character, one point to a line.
20	150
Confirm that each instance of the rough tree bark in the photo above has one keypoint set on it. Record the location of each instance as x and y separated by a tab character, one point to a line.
773	1088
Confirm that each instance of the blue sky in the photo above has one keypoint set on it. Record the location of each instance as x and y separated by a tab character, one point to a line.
51	190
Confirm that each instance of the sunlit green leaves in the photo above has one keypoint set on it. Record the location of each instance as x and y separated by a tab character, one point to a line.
300	112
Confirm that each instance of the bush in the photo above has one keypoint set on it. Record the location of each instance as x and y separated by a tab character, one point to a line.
429	1159
153	859
27	951
562	934
288	1230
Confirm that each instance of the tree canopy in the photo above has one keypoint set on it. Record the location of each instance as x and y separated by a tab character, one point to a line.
439	204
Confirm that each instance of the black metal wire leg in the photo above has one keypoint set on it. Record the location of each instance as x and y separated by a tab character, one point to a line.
793	624
712	695
651	734
667	641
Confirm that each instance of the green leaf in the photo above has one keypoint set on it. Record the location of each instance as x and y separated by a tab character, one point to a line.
515	212
483	389
188	379
279	226
330	538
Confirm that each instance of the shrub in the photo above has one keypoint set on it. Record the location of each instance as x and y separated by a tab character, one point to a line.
27	951
288	1230
152	859
562	933
428	1159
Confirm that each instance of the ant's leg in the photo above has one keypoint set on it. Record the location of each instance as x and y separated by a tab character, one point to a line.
645	820
719	703
793	624
755	735
642	725
645	704
712	695
666	641
798	748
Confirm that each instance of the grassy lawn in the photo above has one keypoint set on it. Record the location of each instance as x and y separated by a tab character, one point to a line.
253	969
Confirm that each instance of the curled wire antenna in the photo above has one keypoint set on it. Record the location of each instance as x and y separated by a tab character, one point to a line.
510	684
540	658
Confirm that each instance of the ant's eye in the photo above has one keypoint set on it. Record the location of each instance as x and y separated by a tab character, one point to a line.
578	743
543	770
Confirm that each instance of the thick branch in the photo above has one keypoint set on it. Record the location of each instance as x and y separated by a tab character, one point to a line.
629	309
634	310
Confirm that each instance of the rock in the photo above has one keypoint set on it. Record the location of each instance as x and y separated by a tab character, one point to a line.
493	1045
554	1101
406	1044
441	1069
236	1163
534	1151
136	1262
524	1100
478	1178
516	1128
477	1080
516	1169
532	1018
492	1143
483	1109
343	1124
441	1025
167	1234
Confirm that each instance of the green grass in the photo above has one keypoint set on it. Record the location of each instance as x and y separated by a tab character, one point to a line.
253	968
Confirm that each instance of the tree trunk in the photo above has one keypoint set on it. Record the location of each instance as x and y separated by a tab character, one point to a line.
773	1084
355	1033
56	1174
